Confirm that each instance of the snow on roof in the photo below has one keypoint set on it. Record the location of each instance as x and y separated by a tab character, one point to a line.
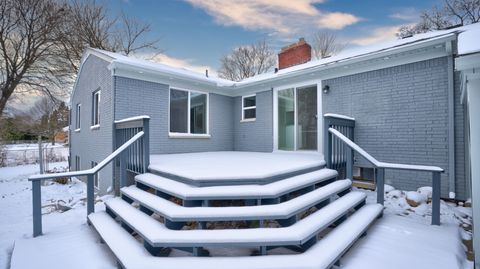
467	43
155	66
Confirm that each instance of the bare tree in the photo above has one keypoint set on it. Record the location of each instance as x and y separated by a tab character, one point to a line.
91	25
27	56
247	61
325	44
452	13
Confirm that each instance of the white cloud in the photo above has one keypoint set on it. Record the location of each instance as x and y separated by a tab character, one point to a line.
282	16
406	14
177	62
337	20
377	35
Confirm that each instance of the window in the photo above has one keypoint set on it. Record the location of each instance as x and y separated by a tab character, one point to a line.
188	112
249	108
96	108
77	163
77	117
95	176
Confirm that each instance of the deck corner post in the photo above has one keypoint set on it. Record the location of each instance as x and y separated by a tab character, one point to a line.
327	142
349	173
90	195
123	169
436	188
380	178
37	208
146	144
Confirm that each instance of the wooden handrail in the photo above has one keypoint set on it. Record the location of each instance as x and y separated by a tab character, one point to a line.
37	179
380	172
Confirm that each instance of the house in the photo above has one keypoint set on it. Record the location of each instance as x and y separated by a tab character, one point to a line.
411	101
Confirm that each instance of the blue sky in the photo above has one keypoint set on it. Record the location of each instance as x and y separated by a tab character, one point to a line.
196	33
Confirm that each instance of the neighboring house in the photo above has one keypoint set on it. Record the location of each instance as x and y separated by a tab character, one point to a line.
405	95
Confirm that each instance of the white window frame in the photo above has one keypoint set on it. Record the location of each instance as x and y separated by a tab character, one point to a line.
78	113
189	134
96	109
249	108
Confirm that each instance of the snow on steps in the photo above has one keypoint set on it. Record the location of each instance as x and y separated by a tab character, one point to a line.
271	190
178	213
155	233
131	253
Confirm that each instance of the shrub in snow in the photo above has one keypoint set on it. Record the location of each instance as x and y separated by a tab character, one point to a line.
415	199
388	188
427	191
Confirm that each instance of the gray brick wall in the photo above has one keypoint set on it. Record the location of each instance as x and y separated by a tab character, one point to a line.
402	116
136	97
255	135
93	145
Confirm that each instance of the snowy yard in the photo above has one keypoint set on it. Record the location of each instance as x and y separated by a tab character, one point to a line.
403	238
20	154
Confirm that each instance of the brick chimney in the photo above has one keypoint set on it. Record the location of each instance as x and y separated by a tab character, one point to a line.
296	53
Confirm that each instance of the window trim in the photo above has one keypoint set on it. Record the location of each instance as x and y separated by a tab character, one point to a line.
78	119
249	108
207	121
95	124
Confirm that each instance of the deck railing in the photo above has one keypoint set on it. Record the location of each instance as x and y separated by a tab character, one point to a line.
137	157
134	144
335	154
380	171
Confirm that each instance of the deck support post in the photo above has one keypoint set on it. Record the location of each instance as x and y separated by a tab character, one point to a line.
37	208
380	178
436	198
146	144
123	169
349	168
90	195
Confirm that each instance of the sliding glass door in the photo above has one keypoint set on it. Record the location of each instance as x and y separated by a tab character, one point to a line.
297	118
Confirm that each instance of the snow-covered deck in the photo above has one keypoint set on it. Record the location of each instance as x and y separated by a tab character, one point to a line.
234	167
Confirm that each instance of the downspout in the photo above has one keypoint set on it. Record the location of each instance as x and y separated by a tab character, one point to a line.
451	121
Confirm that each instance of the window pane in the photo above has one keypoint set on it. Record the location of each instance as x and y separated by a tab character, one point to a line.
286	119
96	108
249	101
178	111
249	113
307	118
198	113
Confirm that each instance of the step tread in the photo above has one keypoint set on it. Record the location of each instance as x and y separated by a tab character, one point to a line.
131	253
271	190
158	235
175	212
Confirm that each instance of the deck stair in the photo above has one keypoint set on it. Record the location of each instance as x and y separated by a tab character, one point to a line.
309	212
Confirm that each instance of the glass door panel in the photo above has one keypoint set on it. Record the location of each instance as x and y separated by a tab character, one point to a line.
286	119
306	118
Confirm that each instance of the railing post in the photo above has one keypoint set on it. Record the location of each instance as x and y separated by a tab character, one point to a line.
349	163
90	195
146	144
327	142
436	198
37	208
380	177
123	169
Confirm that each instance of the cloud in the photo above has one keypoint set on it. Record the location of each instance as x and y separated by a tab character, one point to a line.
409	14
176	62
337	20
377	35
284	17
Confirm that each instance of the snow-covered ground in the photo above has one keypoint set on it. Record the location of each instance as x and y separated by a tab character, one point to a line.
403	238
67	227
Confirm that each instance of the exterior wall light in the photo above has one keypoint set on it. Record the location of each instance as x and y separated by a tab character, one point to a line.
326	89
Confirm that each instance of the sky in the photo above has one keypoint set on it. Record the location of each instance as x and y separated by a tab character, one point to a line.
195	34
